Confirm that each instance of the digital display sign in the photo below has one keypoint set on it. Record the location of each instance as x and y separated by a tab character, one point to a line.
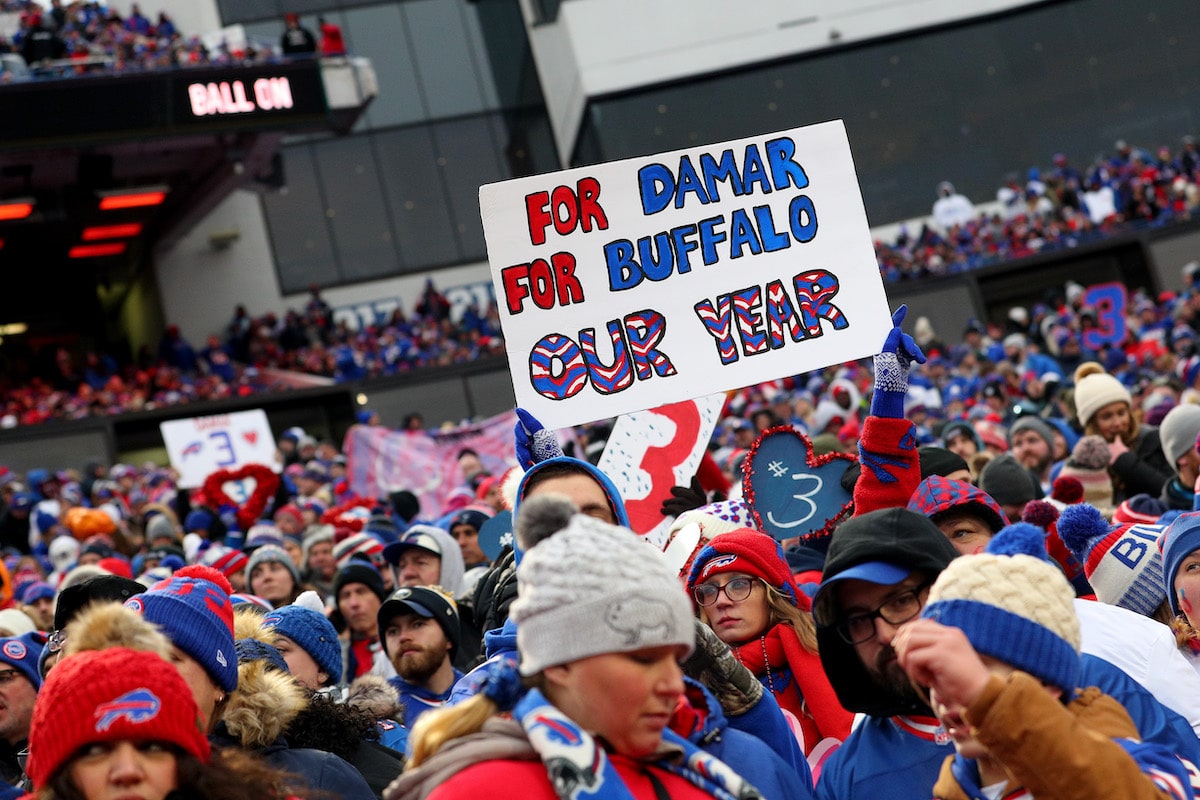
162	103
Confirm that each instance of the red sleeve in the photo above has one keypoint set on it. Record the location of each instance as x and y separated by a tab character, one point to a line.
891	467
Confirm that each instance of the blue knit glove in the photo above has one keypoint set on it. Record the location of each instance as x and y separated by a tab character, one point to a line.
534	443
891	369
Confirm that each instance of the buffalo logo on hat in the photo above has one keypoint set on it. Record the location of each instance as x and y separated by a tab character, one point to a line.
637	615
138	706
719	562
15	650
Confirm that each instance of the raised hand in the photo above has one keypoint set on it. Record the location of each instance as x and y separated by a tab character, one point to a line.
534	444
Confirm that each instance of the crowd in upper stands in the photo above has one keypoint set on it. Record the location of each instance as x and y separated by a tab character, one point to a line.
1052	209
238	361
100	38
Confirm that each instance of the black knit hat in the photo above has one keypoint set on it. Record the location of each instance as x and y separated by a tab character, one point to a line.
359	572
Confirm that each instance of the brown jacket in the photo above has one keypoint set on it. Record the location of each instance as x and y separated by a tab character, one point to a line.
1054	751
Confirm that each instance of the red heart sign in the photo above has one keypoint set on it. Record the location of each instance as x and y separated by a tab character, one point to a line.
266	482
251	436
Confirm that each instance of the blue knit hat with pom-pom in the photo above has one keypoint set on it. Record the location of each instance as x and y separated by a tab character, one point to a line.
1014	605
312	632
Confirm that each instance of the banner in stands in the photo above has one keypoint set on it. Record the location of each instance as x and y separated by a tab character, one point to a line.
643	282
200	446
648	452
381	460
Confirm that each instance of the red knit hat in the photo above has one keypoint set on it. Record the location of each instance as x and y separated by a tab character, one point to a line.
752	552
109	696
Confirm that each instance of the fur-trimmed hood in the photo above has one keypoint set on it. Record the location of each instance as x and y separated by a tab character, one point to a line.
105	625
374	694
266	700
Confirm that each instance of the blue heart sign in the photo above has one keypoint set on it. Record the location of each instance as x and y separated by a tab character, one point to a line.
791	491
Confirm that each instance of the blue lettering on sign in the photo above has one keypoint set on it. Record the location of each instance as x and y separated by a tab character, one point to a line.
1109	301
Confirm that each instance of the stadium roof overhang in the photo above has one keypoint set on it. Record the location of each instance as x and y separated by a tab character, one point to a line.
97	171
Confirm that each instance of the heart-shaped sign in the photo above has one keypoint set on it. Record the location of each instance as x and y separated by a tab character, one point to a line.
239	491
249	510
792	492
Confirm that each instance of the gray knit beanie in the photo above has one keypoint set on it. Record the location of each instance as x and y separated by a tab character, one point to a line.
1035	424
591	588
1178	431
1008	482
272	552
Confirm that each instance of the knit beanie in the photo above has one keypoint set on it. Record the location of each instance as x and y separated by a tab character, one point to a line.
591	588
261	535
275	553
1014	605
1122	562
1179	540
358	572
1035	424
197	616
225	560
1178	432
312	633
1007	481
363	545
22	654
751	552
1088	464
111	695
1094	389
198	520
315	535
159	527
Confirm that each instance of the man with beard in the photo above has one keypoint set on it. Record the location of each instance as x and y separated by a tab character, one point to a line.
1032	443
878	571
419	629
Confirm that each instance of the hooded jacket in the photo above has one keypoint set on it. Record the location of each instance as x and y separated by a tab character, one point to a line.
614	497
895	536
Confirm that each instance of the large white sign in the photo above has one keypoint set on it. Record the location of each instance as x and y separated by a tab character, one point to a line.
200	446
638	283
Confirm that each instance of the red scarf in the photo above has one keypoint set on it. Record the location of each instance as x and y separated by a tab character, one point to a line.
798	681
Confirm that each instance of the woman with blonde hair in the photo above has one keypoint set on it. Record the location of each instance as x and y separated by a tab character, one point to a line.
1104	407
602	624
746	593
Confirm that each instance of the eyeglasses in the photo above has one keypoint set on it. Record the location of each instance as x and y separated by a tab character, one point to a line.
896	610
736	590
56	641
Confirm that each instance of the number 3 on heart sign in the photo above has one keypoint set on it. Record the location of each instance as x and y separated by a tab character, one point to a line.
808	507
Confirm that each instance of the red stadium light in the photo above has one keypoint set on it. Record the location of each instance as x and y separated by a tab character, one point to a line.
140	197
16	209
123	231
96	250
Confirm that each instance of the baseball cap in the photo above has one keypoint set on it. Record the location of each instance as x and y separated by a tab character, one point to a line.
416	536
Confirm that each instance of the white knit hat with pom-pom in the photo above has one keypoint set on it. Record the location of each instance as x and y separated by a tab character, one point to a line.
1094	389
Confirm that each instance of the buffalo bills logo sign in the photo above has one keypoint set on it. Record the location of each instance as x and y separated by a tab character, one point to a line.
15	650
136	707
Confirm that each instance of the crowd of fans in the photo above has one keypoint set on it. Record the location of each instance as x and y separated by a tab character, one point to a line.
242	360
1005	598
100	39
1052	209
